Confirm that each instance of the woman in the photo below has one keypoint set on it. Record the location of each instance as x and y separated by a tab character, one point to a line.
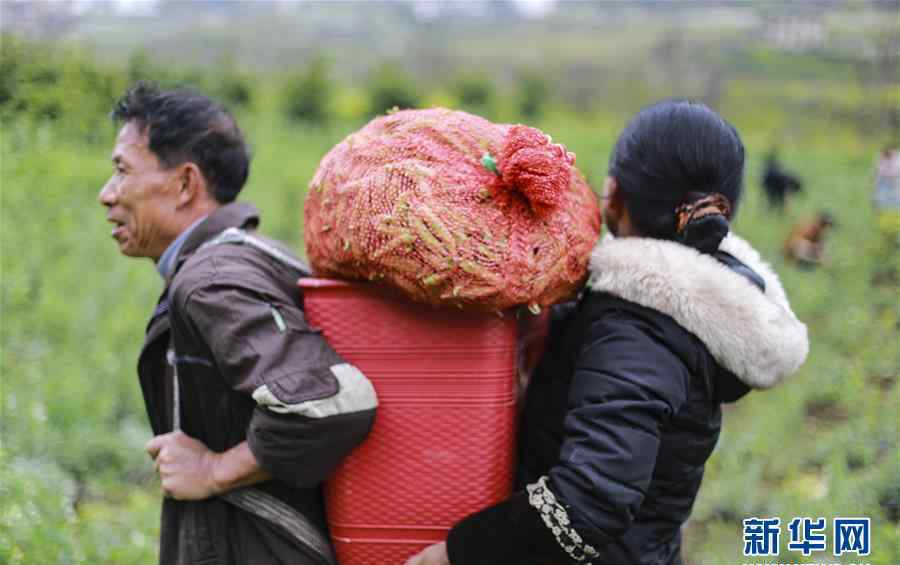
678	317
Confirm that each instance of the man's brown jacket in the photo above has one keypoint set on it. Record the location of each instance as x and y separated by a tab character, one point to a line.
249	367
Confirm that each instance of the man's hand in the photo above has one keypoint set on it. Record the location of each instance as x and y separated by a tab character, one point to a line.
432	555
186	466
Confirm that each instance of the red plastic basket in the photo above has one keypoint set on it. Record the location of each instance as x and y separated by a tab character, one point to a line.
442	445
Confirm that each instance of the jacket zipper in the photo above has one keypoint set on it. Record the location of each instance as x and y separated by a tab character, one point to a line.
279	320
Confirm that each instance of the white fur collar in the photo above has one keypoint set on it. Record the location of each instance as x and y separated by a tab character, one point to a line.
754	335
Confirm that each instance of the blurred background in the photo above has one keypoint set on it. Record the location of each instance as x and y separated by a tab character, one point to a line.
813	88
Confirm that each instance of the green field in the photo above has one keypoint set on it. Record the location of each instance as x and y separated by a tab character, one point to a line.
75	483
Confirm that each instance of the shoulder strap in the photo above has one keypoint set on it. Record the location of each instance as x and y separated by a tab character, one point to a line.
285	516
241	237
740	268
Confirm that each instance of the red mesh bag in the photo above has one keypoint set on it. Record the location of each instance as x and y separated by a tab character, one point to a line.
453	210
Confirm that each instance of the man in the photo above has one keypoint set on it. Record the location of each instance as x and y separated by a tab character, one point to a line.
240	391
887	180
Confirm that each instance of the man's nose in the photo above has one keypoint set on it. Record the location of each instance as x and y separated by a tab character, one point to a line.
107	195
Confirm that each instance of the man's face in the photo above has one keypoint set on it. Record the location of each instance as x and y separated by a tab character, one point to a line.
141	196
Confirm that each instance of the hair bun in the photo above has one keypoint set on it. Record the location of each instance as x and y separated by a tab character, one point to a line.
703	223
705	234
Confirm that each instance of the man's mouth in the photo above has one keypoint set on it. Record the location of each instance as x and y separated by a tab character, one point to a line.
118	227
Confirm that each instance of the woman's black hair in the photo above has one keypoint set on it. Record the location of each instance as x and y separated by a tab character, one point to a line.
672	153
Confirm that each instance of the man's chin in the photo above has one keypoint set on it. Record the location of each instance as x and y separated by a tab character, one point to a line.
128	250
135	253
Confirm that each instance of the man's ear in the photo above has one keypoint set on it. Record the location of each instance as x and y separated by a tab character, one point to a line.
191	185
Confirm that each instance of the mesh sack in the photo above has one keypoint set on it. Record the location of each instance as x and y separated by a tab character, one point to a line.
452	210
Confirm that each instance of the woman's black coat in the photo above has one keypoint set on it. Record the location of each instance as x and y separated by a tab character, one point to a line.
624	409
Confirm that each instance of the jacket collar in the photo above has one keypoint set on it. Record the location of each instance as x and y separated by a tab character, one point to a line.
231	215
753	334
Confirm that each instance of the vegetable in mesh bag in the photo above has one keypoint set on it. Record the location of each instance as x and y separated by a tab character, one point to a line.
452	210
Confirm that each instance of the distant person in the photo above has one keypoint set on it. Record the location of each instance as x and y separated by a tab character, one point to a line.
778	183
239	389
887	180
805	245
678	317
